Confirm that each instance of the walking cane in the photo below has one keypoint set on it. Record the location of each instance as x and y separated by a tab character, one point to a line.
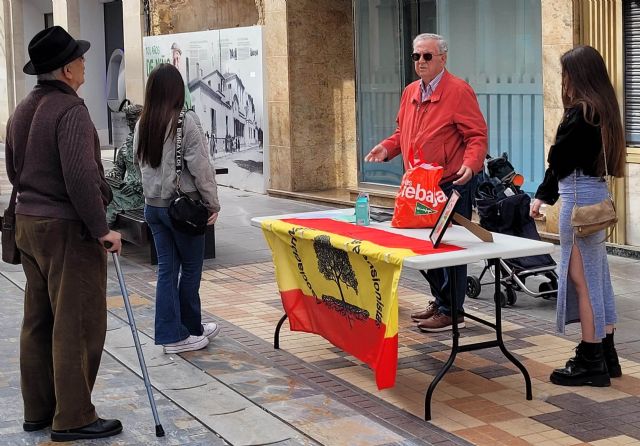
136	340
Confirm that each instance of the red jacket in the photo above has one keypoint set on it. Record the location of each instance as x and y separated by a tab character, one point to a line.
448	129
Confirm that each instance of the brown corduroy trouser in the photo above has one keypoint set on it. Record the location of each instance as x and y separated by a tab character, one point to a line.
65	319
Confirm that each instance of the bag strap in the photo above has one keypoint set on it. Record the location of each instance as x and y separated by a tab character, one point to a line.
179	158
606	178
14	192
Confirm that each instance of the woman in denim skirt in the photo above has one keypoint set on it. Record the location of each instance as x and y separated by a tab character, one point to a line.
589	146
178	325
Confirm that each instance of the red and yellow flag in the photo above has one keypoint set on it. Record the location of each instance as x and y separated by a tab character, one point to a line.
340	281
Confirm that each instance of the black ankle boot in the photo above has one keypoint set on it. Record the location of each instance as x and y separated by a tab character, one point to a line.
611	357
587	368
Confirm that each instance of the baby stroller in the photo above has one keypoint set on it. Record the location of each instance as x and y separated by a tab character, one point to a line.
504	208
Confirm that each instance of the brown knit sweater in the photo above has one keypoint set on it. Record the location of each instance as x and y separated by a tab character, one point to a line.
62	175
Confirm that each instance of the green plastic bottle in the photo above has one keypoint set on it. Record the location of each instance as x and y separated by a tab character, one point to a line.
362	209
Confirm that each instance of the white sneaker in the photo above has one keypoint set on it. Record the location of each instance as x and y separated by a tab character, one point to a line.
210	330
189	344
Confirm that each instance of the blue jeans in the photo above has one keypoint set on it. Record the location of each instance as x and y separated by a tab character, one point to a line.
439	278
180	258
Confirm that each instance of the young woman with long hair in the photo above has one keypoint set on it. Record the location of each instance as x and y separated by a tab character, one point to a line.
591	130
178	325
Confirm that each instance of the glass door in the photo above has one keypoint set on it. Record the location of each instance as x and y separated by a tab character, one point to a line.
380	72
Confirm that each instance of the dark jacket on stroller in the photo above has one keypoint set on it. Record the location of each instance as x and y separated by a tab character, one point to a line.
510	215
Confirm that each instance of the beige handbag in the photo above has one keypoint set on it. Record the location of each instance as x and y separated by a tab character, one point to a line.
587	220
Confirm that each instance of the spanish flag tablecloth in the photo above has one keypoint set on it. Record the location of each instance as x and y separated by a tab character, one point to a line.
340	281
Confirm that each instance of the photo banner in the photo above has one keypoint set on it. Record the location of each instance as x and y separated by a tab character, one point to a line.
224	85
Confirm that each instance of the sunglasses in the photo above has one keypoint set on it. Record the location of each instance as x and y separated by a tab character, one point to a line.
426	56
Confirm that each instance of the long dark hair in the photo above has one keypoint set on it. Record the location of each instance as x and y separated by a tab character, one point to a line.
163	101
586	83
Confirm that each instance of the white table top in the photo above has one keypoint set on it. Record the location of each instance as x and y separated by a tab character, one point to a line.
503	246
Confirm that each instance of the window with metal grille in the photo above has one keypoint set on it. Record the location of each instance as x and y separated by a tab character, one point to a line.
631	16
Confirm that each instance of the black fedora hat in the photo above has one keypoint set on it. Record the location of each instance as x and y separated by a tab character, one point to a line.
53	48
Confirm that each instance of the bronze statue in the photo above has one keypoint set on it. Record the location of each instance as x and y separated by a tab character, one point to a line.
124	178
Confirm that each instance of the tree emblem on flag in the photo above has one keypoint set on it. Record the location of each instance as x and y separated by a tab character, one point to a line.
334	264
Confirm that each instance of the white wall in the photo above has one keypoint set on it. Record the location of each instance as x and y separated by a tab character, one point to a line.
92	29
94	90
633	204
33	17
5	54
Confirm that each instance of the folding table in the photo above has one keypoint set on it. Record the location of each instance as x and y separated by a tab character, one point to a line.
503	246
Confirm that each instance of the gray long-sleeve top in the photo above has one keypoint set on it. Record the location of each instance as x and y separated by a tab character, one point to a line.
198	174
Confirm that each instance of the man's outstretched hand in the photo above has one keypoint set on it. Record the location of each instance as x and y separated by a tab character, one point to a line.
377	155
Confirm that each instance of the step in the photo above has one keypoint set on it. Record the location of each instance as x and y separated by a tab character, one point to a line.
383	196
332	197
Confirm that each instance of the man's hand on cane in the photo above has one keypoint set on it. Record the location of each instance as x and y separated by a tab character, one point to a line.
112	242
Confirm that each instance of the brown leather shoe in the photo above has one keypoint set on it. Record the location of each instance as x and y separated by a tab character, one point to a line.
426	313
439	322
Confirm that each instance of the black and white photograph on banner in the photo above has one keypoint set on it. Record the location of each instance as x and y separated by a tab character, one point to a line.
223	74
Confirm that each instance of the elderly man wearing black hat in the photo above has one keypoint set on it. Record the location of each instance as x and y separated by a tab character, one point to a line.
53	159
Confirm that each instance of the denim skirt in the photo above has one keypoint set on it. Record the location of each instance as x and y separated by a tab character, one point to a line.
588	190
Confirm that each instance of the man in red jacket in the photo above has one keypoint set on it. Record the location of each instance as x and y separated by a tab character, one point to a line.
53	159
440	122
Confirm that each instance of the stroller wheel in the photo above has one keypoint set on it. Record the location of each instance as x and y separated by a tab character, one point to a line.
512	297
546	287
473	287
553	280
500	298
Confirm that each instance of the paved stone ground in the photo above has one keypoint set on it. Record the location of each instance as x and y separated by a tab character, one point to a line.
118	393
240	391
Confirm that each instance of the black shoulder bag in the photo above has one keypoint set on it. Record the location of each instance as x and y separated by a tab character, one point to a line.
187	215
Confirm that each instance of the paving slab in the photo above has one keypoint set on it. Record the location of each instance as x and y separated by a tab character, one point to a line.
118	393
232	416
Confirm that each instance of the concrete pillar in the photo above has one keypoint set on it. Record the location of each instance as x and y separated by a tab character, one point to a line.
557	38
311	109
133	58
6	78
277	94
12	79
66	13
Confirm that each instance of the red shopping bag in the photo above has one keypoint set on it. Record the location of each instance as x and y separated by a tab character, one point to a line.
420	200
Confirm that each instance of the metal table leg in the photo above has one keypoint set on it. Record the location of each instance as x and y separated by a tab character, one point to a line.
456	347
276	335
498	327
